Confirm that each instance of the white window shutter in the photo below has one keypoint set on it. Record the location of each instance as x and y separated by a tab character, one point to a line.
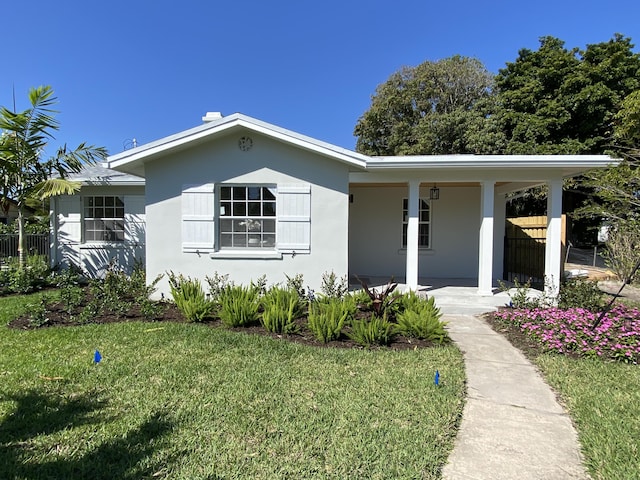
198	217
294	218
134	219
69	218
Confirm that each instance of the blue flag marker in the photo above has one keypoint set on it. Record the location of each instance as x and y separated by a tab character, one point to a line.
437	379
97	357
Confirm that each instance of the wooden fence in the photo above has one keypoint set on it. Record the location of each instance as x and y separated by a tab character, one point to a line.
524	247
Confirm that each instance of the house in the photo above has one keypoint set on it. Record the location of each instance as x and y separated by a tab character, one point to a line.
242	197
9	211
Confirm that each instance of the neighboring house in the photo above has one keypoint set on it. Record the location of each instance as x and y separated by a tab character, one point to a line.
242	197
9	211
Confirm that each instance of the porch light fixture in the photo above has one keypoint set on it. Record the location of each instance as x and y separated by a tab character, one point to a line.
434	193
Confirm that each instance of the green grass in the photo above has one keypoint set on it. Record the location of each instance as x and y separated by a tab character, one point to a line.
603	399
186	401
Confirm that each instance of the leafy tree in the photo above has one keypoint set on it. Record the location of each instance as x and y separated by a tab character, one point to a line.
556	100
428	109
627	124
24	174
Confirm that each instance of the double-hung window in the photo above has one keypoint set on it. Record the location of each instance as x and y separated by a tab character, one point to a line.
424	223
103	219
247	216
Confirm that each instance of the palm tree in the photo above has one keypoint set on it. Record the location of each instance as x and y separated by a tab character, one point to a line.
24	174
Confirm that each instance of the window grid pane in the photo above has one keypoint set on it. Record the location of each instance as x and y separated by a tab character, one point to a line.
247	217
424	222
104	219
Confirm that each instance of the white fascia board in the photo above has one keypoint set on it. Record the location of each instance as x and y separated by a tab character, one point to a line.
128	160
490	161
323	148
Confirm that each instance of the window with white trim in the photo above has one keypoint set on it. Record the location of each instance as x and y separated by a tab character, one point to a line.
424	223
103	219
247	216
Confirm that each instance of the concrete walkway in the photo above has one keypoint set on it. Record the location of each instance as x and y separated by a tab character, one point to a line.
512	426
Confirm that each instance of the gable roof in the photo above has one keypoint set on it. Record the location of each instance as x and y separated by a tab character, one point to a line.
132	161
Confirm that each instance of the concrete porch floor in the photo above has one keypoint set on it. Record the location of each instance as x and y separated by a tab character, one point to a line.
454	296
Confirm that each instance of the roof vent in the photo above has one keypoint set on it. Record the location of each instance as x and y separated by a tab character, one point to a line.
212	116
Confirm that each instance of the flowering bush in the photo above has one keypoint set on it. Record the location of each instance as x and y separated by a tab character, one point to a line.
569	330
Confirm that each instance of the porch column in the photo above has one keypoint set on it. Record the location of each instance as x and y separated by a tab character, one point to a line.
413	203
485	254
553	247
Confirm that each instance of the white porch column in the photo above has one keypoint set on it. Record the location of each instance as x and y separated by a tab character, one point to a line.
553	248
485	254
413	203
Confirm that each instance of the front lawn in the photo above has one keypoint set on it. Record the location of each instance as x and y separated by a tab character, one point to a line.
182	400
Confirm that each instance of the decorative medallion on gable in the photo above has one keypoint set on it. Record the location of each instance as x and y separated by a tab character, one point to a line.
245	144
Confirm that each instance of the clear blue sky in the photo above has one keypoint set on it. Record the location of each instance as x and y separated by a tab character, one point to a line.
147	69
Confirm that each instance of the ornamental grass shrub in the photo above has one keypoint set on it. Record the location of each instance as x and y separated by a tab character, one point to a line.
190	298
280	308
372	331
239	305
421	319
328	316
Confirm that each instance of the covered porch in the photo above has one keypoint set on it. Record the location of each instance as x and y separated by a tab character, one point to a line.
438	219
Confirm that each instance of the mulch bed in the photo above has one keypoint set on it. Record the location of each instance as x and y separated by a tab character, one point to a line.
57	316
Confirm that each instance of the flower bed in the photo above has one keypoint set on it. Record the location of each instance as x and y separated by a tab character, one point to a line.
569	331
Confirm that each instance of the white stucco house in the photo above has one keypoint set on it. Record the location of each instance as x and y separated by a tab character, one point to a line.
242	197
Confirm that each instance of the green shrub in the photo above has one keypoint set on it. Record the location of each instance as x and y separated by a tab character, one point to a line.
190	298
421	319
296	283
522	297
239	305
217	284
38	312
327	317
332	286
72	296
374	331
33	276
580	293
280	308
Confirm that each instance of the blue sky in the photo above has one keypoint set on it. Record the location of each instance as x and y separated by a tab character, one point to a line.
147	69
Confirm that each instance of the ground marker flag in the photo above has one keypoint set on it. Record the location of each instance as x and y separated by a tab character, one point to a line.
97	357
437	379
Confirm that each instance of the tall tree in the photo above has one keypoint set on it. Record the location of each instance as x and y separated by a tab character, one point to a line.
556	100
428	109
24	174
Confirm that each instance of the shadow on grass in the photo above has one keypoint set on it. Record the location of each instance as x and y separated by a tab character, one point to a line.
36	414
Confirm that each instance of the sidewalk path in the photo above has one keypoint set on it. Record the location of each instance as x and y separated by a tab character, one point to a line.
512	426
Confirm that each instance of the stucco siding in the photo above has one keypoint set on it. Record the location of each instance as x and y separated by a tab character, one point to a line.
70	248
375	240
268	162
